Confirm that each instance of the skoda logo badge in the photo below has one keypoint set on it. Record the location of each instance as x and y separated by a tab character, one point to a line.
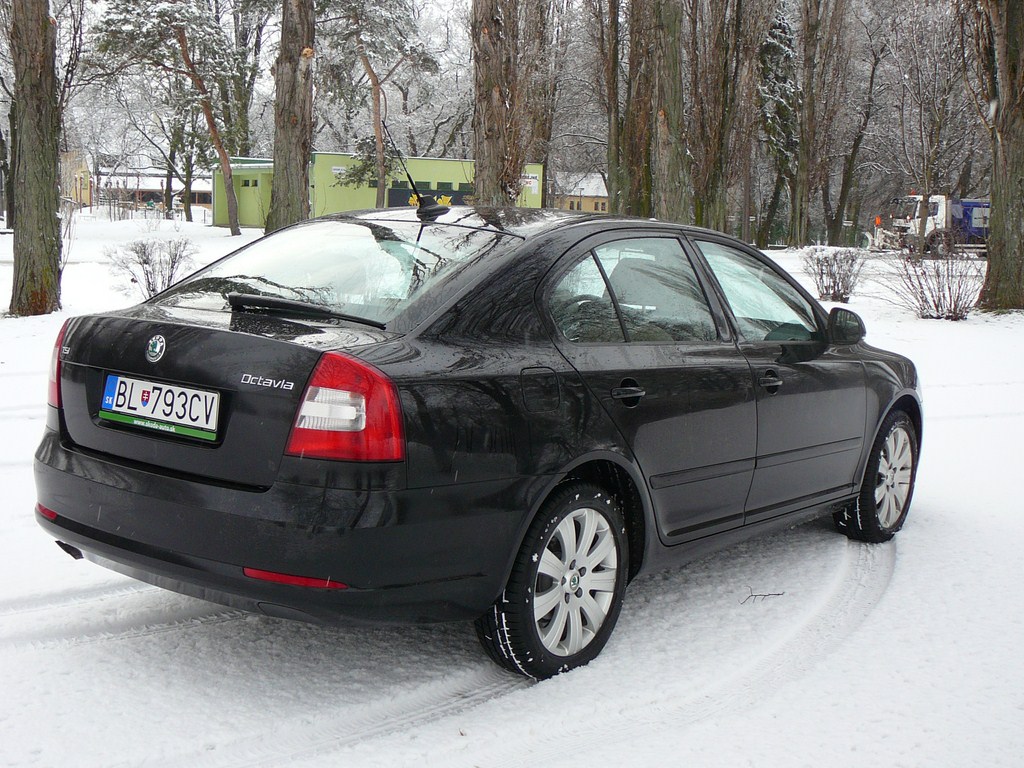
156	348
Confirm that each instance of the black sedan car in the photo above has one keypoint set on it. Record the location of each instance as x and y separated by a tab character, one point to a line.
499	416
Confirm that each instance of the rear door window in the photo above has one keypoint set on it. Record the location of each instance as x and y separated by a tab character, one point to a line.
636	290
656	290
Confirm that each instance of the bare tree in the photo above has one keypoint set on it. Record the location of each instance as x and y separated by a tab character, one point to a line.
547	24
778	100
579	141
936	118
293	115
157	114
37	243
624	38
245	23
497	124
861	105
823	55
673	200
184	38
70	18
996	35
722	44
371	43
505	61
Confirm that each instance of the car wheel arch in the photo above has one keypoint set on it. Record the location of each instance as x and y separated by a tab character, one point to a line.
905	401
618	477
623	482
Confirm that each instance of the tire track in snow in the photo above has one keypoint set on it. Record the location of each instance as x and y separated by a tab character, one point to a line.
62	625
69	597
861	580
340	727
865	574
41	641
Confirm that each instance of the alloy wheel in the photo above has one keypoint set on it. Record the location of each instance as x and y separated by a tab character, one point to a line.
895	476
575	583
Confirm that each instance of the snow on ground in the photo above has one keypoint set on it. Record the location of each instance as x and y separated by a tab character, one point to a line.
905	654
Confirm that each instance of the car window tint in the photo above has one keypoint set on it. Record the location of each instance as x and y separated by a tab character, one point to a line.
581	308
657	290
765	305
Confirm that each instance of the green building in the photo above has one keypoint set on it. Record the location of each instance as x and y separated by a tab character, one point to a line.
449	181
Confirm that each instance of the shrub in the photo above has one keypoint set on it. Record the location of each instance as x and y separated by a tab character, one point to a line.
945	288
835	271
153	265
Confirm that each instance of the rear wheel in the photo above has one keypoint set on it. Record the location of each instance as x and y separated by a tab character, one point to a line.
565	591
888	487
941	244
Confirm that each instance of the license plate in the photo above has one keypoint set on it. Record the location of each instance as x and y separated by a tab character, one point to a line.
162	407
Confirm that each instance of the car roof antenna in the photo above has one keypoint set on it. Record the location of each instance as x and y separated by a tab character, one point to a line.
427	208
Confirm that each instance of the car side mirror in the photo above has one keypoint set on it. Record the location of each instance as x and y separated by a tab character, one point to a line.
845	327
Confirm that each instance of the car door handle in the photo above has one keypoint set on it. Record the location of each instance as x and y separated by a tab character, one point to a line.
628	393
770	380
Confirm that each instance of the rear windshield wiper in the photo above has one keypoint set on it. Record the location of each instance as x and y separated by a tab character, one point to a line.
255	301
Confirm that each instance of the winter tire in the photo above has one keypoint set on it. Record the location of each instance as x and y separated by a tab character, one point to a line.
565	590
888	487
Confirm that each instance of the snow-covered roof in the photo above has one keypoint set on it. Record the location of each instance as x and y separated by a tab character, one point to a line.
151	183
581	185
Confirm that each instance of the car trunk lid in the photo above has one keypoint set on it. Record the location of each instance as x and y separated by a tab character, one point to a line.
195	392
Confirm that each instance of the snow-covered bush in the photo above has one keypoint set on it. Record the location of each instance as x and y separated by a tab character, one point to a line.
945	288
835	271
152	265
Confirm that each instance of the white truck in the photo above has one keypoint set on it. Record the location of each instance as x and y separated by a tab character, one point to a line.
951	224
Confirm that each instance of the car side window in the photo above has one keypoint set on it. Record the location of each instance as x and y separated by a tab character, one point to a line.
657	290
765	305
581	307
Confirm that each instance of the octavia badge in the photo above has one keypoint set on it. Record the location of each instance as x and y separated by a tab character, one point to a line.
155	349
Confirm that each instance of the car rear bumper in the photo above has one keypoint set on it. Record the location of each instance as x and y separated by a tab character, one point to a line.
409	555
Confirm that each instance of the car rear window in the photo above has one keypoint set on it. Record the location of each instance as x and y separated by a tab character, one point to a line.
368	269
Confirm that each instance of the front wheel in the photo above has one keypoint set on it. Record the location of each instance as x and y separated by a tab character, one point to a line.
565	590
884	500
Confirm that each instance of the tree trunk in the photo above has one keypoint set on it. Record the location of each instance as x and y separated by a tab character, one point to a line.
611	45
545	48
768	216
672	199
293	116
748	195
377	115
635	153
37	244
1004	283
7	169
834	224
498	127
807	120
172	153
211	124
378	141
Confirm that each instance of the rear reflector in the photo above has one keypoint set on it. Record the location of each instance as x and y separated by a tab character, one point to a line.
49	514
53	394
350	411
295	581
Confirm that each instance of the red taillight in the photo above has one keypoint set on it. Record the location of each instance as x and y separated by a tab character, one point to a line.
295	581
53	394
46	512
349	412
